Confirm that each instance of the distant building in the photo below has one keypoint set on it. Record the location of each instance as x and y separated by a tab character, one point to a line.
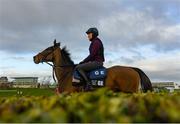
25	82
4	83
3	79
167	85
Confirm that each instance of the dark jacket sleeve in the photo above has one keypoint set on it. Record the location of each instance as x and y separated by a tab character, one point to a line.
94	50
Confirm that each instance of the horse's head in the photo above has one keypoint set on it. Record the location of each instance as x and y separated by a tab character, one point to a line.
47	54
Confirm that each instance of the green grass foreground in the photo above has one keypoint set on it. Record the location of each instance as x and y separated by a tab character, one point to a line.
99	106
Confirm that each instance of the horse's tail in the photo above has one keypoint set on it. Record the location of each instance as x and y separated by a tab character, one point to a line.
145	81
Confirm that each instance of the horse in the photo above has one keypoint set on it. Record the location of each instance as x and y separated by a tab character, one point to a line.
119	78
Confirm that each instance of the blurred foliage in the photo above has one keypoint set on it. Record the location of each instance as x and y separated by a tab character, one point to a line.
99	106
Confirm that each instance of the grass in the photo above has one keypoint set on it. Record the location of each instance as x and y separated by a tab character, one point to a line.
26	92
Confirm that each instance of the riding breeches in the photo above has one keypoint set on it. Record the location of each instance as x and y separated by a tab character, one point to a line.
85	67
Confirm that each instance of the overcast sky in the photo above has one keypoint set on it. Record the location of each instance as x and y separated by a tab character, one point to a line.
140	33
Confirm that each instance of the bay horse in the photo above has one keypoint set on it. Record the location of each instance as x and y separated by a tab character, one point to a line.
119	78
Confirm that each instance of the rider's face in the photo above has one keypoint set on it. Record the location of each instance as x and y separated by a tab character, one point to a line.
90	36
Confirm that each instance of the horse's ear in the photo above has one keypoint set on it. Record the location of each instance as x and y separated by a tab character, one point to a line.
56	44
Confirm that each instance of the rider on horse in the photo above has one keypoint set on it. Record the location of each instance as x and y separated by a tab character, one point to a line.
95	58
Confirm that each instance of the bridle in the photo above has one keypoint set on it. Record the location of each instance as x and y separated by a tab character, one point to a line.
54	67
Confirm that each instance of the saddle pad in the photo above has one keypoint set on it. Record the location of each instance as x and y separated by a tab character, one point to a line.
98	73
94	74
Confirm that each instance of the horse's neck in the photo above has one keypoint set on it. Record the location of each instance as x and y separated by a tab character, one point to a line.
63	74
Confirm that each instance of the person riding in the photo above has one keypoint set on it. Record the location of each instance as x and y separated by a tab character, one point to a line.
95	58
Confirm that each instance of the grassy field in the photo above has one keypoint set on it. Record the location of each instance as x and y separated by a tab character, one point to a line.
41	105
26	92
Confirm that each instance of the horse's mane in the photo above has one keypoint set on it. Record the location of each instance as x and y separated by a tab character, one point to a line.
67	55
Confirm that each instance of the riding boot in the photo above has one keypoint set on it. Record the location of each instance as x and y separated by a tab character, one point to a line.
88	82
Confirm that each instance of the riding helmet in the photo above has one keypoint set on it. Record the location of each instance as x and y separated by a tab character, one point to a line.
93	30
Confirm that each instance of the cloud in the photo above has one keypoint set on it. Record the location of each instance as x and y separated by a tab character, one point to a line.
27	26
134	28
164	67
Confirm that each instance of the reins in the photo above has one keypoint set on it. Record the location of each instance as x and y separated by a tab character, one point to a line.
53	72
54	66
58	66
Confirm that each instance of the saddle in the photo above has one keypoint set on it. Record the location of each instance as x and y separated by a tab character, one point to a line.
96	76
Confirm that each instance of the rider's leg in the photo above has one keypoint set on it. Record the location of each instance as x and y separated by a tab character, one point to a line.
83	68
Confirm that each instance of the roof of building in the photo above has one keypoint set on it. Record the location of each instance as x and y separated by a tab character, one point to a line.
3	78
163	82
24	77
